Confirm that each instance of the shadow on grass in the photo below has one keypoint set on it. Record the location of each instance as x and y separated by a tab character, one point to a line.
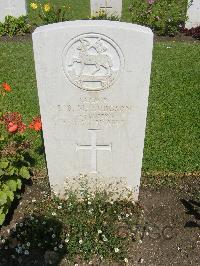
192	208
35	241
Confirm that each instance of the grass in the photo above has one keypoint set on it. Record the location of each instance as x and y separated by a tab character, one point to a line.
173	126
173	119
17	68
79	9
95	225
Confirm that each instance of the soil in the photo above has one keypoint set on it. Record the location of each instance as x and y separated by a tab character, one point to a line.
180	37
175	223
170	232
21	38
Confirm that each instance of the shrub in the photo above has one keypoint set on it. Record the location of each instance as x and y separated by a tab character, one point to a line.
194	32
165	17
14	161
51	13
14	26
15	155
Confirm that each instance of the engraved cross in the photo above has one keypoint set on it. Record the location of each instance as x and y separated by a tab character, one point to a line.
106	6
94	148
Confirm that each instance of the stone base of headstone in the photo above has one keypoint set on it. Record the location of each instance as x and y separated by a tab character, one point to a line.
116	187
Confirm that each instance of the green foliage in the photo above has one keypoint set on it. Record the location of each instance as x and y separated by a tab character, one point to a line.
172	133
49	13
14	26
101	15
173	126
15	160
165	17
85	226
78	9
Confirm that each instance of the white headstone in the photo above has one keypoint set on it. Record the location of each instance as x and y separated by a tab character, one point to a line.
110	7
193	14
93	83
15	8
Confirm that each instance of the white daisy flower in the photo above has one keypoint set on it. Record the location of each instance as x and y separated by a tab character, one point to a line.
26	252
126	260
116	250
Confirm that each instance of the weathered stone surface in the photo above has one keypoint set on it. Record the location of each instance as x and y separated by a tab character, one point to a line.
15	8
110	7
93	84
193	14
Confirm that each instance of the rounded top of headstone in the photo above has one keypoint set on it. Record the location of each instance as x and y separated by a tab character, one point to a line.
93	23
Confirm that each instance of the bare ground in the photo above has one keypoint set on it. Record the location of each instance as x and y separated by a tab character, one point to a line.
170	231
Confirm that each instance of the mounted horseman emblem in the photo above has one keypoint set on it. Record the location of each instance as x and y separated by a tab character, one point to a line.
92	62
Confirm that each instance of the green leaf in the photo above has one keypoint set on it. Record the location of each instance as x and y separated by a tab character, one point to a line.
2	218
11	170
1	172
2	137
10	195
24	172
3	198
4	164
19	183
12	184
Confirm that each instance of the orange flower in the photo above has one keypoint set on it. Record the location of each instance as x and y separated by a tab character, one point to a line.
13	122
6	86
36	124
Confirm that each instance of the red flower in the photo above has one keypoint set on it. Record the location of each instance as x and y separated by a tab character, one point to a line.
21	128
6	86
12	127
36	124
13	122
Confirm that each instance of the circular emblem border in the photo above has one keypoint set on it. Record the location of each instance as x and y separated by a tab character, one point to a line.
93	35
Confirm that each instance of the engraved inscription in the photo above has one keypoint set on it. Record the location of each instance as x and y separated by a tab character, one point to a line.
92	61
93	113
93	148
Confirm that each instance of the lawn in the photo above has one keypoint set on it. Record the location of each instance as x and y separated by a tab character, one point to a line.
173	126
96	228
79	9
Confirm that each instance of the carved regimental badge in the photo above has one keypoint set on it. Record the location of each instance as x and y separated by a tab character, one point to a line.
92	61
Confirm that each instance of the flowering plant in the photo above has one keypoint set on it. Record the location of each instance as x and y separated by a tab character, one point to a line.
15	26
165	17
15	154
51	13
102	15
